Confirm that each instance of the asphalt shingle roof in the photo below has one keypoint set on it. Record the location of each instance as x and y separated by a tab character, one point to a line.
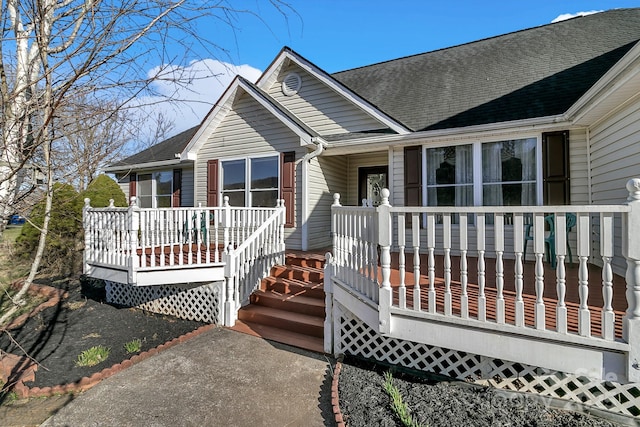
531	73
165	150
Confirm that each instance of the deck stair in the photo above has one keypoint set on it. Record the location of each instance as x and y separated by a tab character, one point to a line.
289	306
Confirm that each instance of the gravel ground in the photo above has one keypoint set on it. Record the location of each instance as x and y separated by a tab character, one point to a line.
364	402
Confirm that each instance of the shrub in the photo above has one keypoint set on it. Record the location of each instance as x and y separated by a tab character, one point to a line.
65	230
93	356
103	188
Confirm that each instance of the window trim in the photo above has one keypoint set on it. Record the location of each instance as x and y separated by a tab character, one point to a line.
247	171
154	185
478	183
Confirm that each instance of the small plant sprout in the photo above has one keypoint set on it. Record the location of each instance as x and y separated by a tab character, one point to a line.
93	356
133	346
399	407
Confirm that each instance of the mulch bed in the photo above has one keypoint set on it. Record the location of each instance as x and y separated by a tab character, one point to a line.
81	318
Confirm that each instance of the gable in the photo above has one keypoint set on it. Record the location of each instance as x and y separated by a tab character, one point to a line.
247	129
320	107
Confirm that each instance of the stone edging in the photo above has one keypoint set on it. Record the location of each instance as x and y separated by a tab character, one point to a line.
52	294
86	383
335	399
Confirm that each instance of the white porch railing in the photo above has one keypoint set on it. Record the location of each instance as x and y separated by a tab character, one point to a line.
251	261
497	233
133	240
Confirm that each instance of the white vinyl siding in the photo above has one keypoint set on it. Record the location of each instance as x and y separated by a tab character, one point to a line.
320	108
578	167
249	130
326	177
615	158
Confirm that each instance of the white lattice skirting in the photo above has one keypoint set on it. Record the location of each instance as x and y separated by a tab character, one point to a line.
354	337
201	303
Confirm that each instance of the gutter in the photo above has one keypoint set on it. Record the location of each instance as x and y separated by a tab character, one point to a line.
306	160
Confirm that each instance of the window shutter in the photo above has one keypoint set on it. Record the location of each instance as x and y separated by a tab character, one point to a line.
288	186
177	188
132	184
555	168
412	176
212	183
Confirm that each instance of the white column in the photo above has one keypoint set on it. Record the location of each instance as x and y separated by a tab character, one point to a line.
384	240
631	251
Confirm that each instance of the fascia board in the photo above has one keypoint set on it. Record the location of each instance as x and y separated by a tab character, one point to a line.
624	70
138	166
542	124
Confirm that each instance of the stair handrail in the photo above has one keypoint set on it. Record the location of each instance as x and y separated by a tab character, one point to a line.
251	261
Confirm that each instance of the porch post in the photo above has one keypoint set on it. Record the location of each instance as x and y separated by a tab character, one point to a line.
230	276
87	235
328	303
631	251
134	227
226	221
384	240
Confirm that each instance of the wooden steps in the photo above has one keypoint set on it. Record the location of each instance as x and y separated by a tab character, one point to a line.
289	306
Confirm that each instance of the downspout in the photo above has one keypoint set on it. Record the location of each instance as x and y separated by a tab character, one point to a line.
306	160
589	165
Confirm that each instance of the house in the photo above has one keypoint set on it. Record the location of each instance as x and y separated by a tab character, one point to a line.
476	144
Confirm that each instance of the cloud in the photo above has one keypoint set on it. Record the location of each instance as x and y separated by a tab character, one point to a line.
201	85
566	16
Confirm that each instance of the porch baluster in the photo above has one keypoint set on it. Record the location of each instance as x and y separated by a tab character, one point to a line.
402	293
499	247
561	278
464	272
518	240
606	250
538	250
415	241
584	234
446	238
431	243
482	300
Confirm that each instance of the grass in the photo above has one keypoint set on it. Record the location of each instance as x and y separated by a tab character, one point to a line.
133	346
93	356
397	404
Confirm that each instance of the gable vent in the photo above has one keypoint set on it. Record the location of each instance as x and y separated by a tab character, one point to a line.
291	84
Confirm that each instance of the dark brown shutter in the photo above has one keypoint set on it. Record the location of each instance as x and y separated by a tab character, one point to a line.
288	185
555	168
132	184
177	188
212	183
412	176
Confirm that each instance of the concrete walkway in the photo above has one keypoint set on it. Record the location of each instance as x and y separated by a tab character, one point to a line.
219	378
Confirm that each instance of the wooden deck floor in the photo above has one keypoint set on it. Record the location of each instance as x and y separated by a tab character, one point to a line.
594	301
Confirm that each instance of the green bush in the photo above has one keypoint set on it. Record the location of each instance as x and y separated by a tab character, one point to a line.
103	188
65	230
62	254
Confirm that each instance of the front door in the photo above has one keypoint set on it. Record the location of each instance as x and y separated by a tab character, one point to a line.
371	181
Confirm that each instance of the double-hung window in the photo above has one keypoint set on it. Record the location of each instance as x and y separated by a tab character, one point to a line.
155	189
502	173
251	182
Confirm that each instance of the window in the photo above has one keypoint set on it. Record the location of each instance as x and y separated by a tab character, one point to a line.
502	173
450	176
509	173
155	189
251	182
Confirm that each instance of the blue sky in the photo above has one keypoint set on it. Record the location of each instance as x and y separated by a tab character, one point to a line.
342	34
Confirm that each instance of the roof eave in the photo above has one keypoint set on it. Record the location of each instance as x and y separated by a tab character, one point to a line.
147	165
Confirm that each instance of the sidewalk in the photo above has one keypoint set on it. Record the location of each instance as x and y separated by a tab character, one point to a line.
219	378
